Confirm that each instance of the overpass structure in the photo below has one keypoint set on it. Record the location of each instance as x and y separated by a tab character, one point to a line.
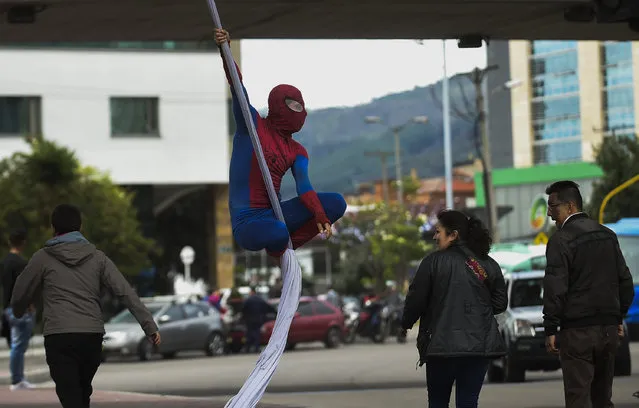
139	20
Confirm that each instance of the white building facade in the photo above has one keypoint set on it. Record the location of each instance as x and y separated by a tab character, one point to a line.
153	115
146	117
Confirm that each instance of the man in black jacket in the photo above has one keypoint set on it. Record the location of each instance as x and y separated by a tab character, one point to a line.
588	290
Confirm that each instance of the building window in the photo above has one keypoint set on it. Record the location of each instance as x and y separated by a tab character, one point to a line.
20	116
618	92
134	117
557	151
555	105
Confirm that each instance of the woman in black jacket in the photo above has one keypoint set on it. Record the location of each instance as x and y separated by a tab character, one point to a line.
455	293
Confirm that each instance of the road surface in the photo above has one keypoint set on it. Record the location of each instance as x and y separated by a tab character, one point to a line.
348	377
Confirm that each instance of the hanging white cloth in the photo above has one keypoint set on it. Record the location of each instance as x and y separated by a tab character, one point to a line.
256	383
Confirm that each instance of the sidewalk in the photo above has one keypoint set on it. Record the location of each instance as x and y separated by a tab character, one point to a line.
36	369
46	398
35	375
36	342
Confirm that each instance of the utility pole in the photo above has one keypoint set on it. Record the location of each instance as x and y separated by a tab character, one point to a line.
477	76
383	157
398	167
398	158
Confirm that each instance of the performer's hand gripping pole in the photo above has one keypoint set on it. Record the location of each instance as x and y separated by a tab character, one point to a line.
246	112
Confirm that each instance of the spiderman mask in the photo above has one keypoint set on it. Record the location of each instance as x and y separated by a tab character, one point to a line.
286	111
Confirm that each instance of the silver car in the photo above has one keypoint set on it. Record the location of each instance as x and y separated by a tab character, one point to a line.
184	326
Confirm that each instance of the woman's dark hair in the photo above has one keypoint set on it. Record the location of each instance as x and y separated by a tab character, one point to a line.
471	231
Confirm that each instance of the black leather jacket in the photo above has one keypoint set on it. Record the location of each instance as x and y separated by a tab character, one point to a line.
587	281
455	307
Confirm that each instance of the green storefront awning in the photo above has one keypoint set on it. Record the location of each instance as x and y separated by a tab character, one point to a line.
536	174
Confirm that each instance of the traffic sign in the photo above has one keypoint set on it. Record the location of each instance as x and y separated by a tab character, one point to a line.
541	239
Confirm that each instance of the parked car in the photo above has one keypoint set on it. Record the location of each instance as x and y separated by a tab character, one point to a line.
521	326
185	325
315	320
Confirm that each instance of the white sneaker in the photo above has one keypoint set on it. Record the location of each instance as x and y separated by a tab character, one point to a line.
22	385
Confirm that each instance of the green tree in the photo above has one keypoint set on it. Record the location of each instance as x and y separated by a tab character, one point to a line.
33	183
357	266
618	157
396	241
380	244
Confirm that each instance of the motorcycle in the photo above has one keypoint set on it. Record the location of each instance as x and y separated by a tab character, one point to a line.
396	325
351	322
373	322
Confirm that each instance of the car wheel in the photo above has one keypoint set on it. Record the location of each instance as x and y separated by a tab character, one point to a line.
235	348
215	345
290	346
513	372
333	338
350	337
382	333
145	351
495	374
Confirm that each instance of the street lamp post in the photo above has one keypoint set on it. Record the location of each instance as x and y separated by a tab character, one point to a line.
398	162
484	109
448	154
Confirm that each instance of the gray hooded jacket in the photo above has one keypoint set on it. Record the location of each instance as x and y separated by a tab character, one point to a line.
71	274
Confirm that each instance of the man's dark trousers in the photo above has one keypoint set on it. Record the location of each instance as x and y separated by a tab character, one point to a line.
588	363
73	360
253	337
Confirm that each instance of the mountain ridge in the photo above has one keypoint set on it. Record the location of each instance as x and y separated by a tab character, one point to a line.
336	138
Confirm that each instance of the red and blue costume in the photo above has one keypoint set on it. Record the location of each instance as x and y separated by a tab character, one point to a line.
255	226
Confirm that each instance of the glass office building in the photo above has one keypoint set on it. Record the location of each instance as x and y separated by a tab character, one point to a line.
618	88
570	95
555	102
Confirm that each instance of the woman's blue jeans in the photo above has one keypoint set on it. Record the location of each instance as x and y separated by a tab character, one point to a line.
467	373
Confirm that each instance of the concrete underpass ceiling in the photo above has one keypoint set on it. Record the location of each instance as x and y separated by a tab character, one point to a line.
136	20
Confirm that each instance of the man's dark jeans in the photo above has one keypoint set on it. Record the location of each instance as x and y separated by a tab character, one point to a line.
73	360
588	363
253	337
466	372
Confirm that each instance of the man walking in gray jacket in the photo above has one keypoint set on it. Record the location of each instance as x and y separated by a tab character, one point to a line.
71	274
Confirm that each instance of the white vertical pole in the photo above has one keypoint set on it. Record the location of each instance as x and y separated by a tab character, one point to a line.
448	160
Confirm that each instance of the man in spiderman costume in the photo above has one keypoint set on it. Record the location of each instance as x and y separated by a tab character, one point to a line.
255	226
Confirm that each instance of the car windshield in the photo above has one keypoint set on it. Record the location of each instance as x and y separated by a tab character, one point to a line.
527	292
630	249
126	317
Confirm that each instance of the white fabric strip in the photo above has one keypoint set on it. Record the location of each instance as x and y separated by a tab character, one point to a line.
256	383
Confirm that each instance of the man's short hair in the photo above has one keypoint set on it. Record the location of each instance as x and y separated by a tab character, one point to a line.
567	192
66	218
17	238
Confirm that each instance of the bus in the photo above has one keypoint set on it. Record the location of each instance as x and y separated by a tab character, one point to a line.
627	230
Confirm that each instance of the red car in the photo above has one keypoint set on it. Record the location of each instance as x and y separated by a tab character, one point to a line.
315	320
